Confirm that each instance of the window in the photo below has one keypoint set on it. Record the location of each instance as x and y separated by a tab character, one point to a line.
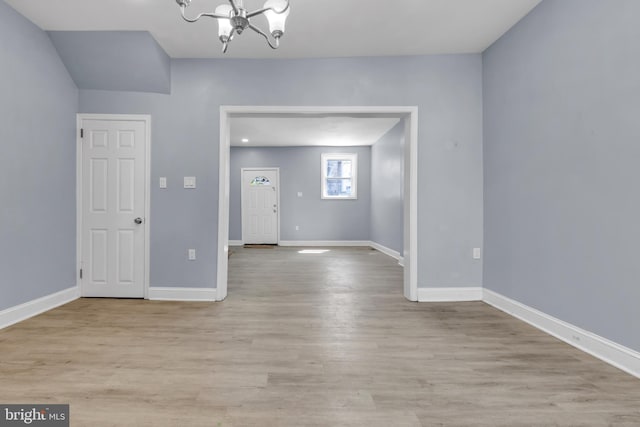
339	176
259	181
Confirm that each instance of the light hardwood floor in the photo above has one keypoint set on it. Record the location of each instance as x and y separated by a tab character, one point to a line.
307	340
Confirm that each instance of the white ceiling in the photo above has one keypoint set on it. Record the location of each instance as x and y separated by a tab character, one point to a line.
315	28
291	130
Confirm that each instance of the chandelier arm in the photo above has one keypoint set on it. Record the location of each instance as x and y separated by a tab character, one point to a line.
225	43
266	37
263	10
236	10
210	15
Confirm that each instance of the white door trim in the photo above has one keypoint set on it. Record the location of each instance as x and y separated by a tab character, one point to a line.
409	114
147	191
277	171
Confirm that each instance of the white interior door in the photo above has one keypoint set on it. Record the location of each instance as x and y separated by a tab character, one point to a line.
260	206
113	208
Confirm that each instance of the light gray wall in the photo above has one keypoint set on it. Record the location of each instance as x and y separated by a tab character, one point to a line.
387	195
114	60
300	172
185	132
562	147
38	103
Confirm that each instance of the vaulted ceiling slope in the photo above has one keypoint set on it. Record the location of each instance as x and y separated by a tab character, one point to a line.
114	60
327	28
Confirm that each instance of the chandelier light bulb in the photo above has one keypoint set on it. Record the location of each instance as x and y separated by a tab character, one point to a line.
224	25
277	16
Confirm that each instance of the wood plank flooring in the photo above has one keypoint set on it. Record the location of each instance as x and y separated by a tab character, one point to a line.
307	340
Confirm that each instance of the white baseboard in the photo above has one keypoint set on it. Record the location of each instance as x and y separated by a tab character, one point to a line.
32	308
608	351
328	243
182	294
387	251
236	243
449	294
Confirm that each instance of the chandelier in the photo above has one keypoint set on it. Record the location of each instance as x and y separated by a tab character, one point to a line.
233	19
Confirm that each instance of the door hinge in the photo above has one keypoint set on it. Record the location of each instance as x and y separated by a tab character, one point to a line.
81	133
81	273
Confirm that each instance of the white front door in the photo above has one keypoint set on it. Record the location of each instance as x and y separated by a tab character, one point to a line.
260	206
113	207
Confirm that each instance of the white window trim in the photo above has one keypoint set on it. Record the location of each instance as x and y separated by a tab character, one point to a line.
354	179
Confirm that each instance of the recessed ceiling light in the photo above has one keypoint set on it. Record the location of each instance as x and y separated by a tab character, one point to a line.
245	140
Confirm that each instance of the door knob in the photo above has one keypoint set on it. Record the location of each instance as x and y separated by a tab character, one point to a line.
138	220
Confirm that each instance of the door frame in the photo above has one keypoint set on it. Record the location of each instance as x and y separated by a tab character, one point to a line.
277	171
79	186
410	116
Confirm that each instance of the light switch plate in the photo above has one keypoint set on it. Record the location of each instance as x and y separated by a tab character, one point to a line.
189	182
476	253
192	254
163	182
299	193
